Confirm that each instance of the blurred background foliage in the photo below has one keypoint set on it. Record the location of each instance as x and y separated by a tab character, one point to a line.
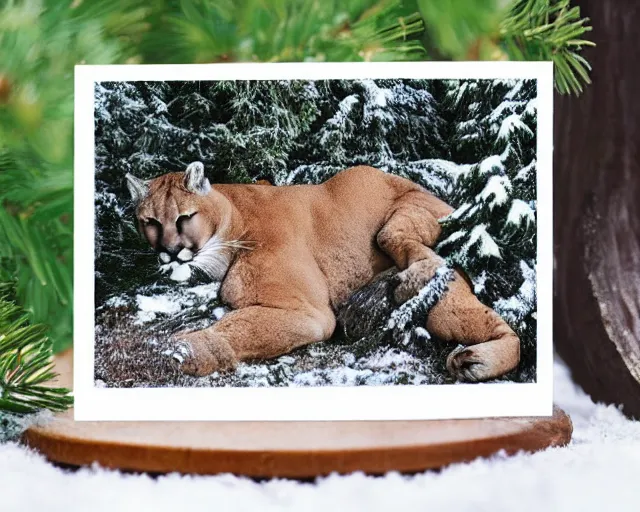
42	40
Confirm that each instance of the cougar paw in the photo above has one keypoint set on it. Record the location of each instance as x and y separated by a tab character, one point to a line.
467	366
204	354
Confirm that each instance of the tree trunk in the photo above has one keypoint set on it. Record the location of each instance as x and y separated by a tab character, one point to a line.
597	213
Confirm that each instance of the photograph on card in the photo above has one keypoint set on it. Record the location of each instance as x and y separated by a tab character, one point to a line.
339	232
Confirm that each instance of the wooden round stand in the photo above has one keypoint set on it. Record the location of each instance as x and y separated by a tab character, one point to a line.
287	449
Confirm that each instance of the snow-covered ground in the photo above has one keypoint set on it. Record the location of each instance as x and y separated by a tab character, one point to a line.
133	347
597	471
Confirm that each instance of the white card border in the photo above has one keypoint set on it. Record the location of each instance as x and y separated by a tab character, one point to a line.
319	403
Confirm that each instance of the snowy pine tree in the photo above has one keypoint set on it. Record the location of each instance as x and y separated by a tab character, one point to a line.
492	233
383	123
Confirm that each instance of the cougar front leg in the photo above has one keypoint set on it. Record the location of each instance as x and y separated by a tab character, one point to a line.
493	348
254	332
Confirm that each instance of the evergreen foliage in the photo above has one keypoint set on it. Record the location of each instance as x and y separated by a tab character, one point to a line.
492	233
25	365
549	30
41	40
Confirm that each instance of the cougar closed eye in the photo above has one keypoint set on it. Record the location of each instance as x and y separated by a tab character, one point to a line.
185	216
182	219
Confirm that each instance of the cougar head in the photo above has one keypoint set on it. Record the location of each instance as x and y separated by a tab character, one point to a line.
185	220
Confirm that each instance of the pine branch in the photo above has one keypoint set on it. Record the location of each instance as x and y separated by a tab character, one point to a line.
530	30
40	41
549	30
454	27
25	364
286	30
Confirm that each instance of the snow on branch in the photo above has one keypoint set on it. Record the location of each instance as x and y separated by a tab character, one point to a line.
486	245
419	305
511	124
495	192
520	213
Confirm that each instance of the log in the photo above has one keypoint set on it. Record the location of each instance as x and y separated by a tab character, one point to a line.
597	213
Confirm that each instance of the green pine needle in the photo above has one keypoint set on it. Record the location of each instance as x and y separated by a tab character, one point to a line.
286	31
549	30
25	363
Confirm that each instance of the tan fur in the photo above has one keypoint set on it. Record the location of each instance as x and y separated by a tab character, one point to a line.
313	246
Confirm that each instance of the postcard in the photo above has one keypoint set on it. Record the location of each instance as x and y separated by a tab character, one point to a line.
314	241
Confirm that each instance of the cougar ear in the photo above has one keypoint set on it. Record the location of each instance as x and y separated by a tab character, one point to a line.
137	188
195	180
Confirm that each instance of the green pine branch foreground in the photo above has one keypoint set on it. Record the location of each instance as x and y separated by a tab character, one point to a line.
25	366
42	40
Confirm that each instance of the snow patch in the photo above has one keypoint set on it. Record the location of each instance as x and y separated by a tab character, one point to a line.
421	332
181	273
469	124
520	212
390	358
479	282
149	307
437	175
514	85
491	163
528	288
453	237
376	96
514	309
344	109
206	291
505	108
487	246
498	187
523	174
218	313
117	301
511	124
423	301
532	107
173	302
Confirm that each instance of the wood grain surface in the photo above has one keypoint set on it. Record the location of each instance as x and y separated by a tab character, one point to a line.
597	213
287	449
